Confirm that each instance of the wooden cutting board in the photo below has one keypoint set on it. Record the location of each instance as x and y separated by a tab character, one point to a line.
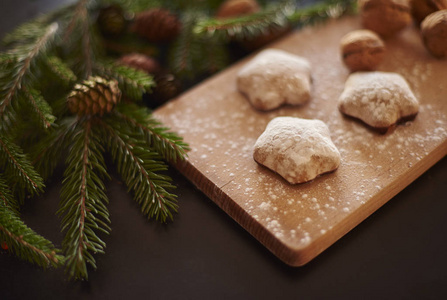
297	222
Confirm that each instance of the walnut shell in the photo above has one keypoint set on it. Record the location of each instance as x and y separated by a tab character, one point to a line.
385	17
362	50
434	33
422	8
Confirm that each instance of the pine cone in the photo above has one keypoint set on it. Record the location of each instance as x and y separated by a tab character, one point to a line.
167	86
141	62
94	96
156	25
111	20
237	8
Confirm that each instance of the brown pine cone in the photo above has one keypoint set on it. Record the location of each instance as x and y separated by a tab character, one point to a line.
167	86
94	96
141	62
237	8
156	25
111	20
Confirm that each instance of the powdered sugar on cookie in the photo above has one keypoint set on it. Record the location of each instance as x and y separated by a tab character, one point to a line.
380	99
297	149
275	77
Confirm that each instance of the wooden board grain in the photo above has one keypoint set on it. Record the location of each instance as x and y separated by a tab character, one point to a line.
297	222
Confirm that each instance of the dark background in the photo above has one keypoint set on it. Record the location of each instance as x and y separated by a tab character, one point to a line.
397	253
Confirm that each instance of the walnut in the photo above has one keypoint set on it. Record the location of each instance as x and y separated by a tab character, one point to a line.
422	8
362	50
385	17
434	33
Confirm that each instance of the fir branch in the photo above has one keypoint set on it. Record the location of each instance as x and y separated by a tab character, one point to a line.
24	242
18	168
184	56
132	82
81	40
193	54
61	70
46	154
6	196
83	200
166	143
25	56
322	11
139	167
247	26
41	108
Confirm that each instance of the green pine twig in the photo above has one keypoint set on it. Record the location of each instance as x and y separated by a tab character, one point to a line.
131	81
83	201
247	26
41	108
18	169
140	168
25	57
25	243
168	144
6	196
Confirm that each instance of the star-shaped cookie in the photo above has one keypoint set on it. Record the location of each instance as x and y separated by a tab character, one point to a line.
273	78
297	149
380	99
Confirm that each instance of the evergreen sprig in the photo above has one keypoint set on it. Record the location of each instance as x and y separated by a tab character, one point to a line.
322	11
17	168
24	242
81	39
168	144
192	53
83	200
287	13
140	167
134	83
247	26
24	57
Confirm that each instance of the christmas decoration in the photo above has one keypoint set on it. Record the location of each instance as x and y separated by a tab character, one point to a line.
60	87
94	96
156	25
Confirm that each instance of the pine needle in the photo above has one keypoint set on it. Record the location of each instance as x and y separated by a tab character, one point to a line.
25	243
17	168
132	82
83	200
140	168
168	144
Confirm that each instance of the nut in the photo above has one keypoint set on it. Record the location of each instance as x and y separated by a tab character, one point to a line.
434	33
422	8
362	50
385	17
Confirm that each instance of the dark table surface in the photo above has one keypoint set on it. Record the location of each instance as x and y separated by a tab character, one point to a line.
397	253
